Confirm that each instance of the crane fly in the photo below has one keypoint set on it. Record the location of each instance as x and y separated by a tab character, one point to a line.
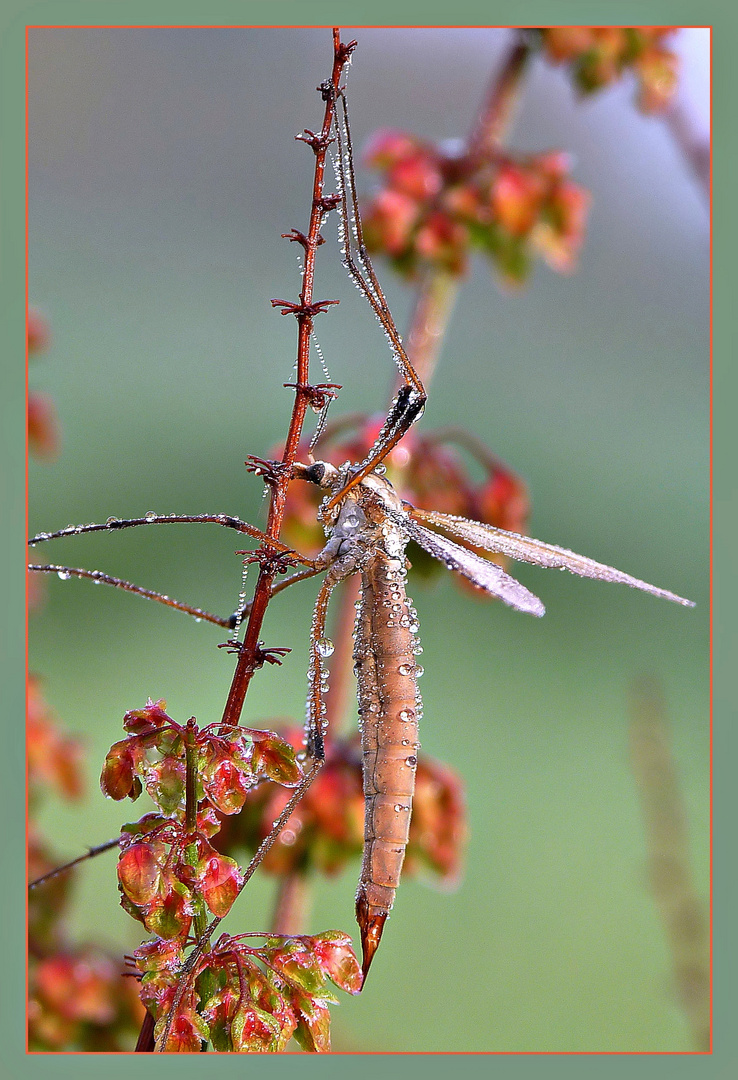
368	528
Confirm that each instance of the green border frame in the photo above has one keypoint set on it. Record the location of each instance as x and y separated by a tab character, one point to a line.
723	17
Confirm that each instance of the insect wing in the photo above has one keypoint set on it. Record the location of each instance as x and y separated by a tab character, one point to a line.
526	549
487	575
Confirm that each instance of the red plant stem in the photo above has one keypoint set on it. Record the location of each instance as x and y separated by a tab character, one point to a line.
248	655
498	109
292	905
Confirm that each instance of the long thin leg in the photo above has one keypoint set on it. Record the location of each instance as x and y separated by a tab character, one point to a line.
150	594
367	282
315	751
225	520
410	401
119	583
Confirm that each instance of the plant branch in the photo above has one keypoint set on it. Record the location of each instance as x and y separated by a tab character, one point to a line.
305	313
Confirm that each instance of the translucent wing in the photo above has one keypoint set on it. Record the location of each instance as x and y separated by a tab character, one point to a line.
487	575
525	549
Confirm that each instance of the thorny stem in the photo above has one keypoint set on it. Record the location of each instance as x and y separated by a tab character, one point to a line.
248	658
248	654
669	872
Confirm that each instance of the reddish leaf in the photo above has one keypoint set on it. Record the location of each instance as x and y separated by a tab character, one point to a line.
139	873
313	1031
159	955
254	1030
208	822
299	964
153	716
170	915
187	1033
226	786
336	957
220	879
275	757
117	779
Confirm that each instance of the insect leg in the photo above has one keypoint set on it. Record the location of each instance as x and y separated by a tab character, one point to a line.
410	401
119	583
224	520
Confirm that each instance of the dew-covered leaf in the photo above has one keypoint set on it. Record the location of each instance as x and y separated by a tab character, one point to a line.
220	881
336	957
170	914
276	758
152	716
117	779
139	873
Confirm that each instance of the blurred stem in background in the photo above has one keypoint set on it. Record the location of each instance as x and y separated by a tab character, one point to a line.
669	871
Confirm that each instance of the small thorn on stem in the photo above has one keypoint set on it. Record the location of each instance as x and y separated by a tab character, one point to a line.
320	395
318	143
269	655
295	236
303	310
276	562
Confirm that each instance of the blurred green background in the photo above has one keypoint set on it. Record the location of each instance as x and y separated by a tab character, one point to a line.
162	171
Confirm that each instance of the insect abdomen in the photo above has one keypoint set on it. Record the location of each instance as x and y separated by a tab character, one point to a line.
389	705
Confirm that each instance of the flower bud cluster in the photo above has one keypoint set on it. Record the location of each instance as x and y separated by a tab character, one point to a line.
435	207
599	55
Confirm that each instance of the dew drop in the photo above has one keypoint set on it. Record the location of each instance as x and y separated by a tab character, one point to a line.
150	515
198	618
112	521
324	646
407	714
412	761
405	669
63	575
380	469
419	670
